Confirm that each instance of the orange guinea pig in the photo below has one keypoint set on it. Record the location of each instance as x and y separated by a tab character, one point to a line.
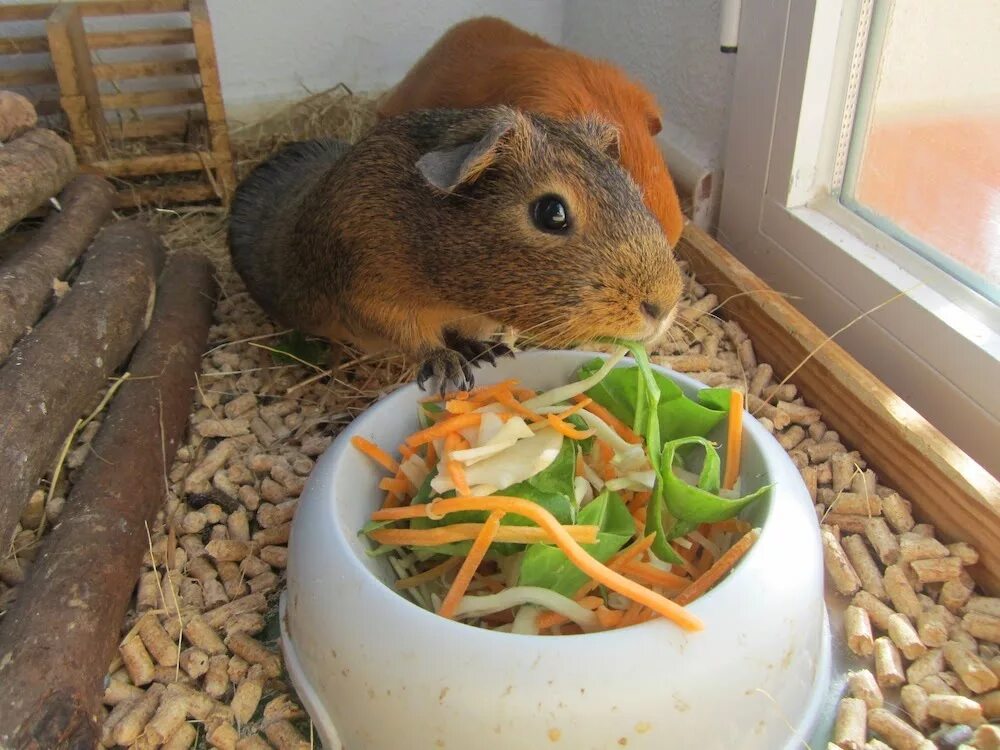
488	61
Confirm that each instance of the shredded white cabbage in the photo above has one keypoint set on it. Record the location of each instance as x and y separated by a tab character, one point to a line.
515	464
568	391
477	606
605	433
583	491
526	621
591	476
415	470
509	433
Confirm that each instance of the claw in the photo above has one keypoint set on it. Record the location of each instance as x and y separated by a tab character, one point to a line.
445	369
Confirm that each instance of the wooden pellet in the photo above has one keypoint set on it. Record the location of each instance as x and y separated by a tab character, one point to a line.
896	511
955	736
119	691
249	497
838	567
191	594
811	479
217	677
222	735
201	569
803	415
194	522
865	483
924	529
264	583
888	664
254	652
214	593
935	685
169	716
851	724
933	625
862	685
915	700
858	627
222	428
931	663
854	504
137	660
273	515
283	736
272	491
974	673
246	622
273	535
883	541
841	471
899	734
955	683
247	696
982	626
232	579
964	552
282	707
848	524
878	612
822	451
988	605
987	737
194	661
238	668
955	709
905	637
228	550
916	547
238	524
183	739
239	474
252	566
875	744
131	724
199	633
159	645
212	462
901	592
217	617
252	742
954	595
791	437
261	431
990	703
865	566
115	716
148	594
937	570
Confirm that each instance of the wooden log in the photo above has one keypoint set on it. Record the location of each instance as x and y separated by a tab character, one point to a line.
67	622
26	278
17	115
56	370
33	168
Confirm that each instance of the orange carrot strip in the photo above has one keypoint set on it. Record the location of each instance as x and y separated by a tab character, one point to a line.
546	620
452	443
580	405
523	394
608	618
606	452
431	457
639	500
392	500
576	554
507	399
456	406
567	429
721	566
608	472
375	453
579	465
405	451
441	429
737	525
631	616
461	532
624	431
488	392
428	575
650	575
734	438
394	485
479	547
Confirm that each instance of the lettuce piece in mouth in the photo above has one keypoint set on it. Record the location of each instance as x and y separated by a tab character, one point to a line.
547	566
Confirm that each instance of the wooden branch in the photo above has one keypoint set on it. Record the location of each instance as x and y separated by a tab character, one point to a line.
26	278
33	168
947	488
56	370
53	655
17	115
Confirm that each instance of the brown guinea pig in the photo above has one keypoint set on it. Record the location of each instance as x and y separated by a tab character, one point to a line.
441	225
488	61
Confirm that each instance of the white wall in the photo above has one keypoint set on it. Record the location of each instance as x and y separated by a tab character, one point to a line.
671	46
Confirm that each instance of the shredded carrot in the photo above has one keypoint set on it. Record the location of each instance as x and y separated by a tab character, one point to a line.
608	472
639	500
624	431
548	620
456	471
488	392
608	618
737	525
567	429
456	406
460	532
650	575
579	465
606	452
734	438
483	541
721	566
507	399
375	453
523	394
442	429
392	500
579	406
406	451
431	458
395	485
631	616
428	575
576	554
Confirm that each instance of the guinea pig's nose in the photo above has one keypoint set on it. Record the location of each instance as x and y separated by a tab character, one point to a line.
652	310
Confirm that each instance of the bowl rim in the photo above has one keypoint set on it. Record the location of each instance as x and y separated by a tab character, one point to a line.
777	462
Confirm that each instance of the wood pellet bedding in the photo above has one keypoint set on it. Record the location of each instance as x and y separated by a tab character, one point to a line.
199	665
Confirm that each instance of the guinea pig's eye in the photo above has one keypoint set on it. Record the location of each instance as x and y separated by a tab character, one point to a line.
550	214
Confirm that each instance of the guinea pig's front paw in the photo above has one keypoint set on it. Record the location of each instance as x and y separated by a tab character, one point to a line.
477	352
444	367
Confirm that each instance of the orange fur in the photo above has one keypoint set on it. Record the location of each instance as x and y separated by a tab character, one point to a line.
487	61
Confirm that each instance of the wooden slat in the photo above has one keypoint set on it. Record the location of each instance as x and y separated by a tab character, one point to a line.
79	94
211	89
154	127
139	38
133	7
25	12
23	45
947	488
139	166
27	77
140	99
165	195
146	69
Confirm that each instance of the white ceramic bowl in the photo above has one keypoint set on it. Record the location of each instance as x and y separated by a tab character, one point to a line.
377	672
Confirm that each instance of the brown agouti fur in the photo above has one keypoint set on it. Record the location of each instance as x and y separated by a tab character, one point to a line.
441	225
488	61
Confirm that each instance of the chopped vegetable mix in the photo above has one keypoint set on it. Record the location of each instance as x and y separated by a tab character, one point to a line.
593	506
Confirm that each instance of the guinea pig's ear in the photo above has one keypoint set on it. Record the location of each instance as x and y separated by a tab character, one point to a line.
450	168
604	135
